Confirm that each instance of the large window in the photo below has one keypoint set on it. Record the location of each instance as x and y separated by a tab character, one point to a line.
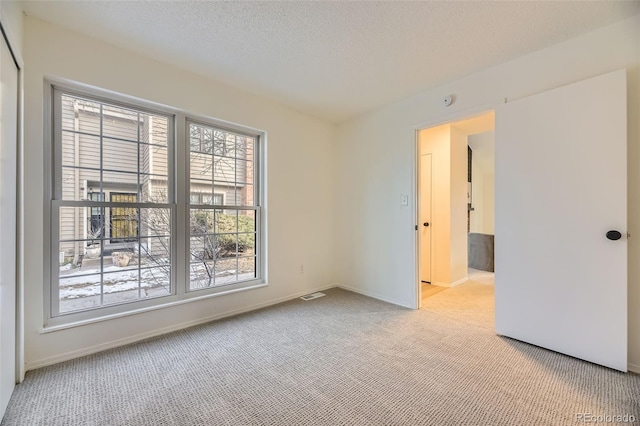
122	232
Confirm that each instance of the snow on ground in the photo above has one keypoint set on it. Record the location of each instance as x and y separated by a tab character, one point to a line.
78	284
114	282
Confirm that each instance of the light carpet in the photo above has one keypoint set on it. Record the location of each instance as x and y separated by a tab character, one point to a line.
343	359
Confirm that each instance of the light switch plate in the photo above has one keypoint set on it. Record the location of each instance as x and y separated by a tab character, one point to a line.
404	200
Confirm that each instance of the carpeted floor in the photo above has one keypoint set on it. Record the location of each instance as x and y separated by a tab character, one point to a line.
343	359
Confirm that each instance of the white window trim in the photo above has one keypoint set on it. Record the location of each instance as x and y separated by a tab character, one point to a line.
179	204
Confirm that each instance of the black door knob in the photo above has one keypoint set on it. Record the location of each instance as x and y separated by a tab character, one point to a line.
426	224
614	235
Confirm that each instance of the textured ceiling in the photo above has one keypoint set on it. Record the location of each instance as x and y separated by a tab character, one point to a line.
333	59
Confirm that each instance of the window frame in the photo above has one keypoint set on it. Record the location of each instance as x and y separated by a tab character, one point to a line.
178	202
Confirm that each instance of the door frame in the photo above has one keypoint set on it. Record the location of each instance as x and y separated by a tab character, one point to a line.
13	46
445	118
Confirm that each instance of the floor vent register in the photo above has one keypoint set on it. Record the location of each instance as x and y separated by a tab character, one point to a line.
312	296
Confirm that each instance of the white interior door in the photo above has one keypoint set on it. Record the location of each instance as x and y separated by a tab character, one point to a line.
425	218
561	185
8	200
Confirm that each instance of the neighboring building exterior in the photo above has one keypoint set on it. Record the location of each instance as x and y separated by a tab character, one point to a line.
118	155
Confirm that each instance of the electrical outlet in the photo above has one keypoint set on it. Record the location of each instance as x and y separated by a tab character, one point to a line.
301	269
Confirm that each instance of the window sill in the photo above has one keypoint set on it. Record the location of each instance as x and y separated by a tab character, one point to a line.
186	299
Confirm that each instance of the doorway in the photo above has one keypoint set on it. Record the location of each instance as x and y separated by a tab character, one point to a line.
568	222
455	204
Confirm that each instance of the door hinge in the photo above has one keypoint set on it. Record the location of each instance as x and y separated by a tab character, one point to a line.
416	227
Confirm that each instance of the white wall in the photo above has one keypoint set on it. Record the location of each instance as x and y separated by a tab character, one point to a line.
375	241
9	131
459	184
483	181
299	174
488	203
11	18
476	218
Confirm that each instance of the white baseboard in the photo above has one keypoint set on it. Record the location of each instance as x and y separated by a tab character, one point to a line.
453	284
32	365
460	281
634	368
374	295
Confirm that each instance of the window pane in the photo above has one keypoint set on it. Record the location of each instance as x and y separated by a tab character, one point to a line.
201	167
120	181
123	221
244	196
80	155
244	148
154	189
201	221
120	156
124	286
227	271
154	160
155	222
199	187
156	282
224	169
73	258
154	129
79	292
220	144
121	123
249	149
154	252
246	268
80	115
202	275
226	245
202	248
86	147
120	286
200	138
244	172
80	229
71	184
226	221
246	221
